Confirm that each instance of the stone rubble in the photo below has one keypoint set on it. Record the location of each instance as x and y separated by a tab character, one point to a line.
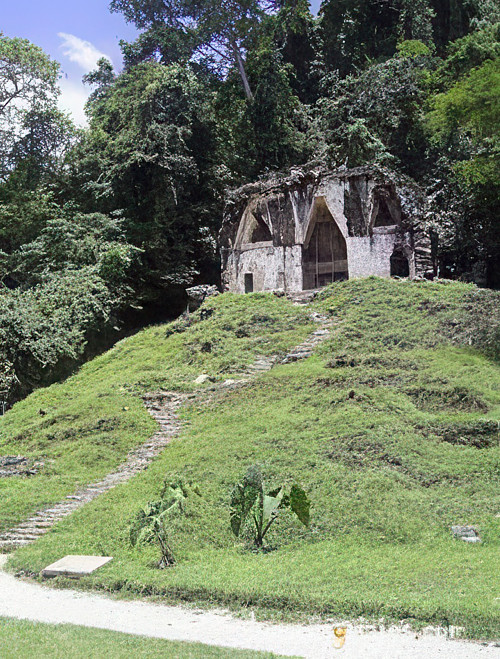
198	294
18	465
466	533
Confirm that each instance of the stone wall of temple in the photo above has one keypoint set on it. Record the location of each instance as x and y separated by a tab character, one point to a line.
316	226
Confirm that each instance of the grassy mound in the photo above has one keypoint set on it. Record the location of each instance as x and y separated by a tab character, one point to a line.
83	428
392	427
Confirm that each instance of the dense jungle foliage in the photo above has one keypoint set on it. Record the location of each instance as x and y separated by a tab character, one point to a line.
124	214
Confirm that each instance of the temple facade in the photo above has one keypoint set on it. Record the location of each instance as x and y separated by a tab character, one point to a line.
315	227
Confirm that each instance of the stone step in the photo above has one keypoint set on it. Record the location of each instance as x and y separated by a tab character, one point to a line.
57	509
15	535
299	355
32	527
38	523
26	534
11	544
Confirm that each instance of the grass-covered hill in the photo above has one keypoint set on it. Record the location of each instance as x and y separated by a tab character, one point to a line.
391	427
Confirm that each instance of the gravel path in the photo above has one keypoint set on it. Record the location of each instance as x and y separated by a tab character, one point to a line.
32	601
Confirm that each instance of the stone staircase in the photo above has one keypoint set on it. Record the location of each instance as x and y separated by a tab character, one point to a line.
163	406
303	297
306	349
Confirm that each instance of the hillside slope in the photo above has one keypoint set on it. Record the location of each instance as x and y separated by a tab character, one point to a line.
392	428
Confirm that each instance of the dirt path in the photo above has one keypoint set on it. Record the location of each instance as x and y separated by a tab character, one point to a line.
32	601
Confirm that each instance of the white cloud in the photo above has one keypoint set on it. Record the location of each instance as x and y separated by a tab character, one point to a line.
83	53
73	98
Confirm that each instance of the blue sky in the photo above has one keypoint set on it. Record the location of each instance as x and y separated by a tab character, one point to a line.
73	32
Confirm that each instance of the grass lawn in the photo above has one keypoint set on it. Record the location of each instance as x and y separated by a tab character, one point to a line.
392	427
20	638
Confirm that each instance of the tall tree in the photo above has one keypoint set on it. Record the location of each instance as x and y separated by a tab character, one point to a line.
464	124
356	31
211	29
28	85
151	154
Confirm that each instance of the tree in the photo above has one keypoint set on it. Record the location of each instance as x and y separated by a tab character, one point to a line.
101	79
23	212
28	85
151	153
207	28
44	330
40	153
464	129
267	134
72	240
377	115
453	19
294	35
355	32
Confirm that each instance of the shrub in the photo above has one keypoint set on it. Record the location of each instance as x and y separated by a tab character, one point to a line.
248	500
151	524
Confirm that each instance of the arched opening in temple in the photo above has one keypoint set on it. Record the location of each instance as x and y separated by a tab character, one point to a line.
259	231
324	257
399	264
253	230
384	217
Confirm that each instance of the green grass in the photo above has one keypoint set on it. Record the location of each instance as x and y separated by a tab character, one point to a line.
392	427
20	638
81	429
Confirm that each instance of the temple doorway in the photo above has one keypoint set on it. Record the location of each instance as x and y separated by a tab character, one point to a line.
399	264
324	257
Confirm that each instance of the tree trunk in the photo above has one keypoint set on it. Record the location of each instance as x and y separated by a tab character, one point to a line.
242	72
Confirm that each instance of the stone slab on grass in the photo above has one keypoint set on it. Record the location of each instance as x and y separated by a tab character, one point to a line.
466	533
75	566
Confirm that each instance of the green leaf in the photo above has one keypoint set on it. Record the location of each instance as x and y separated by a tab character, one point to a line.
244	496
270	507
300	504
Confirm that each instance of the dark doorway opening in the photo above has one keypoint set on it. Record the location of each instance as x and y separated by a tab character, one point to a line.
325	250
399	264
248	282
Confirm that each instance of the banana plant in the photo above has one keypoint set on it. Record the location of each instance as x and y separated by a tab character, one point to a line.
249	501
151	524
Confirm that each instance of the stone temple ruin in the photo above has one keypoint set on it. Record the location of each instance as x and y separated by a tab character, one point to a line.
315	227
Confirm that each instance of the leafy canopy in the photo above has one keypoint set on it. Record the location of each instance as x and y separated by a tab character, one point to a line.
28	87
214	30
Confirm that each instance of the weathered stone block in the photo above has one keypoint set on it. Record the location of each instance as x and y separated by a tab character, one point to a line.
198	294
75	566
466	533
